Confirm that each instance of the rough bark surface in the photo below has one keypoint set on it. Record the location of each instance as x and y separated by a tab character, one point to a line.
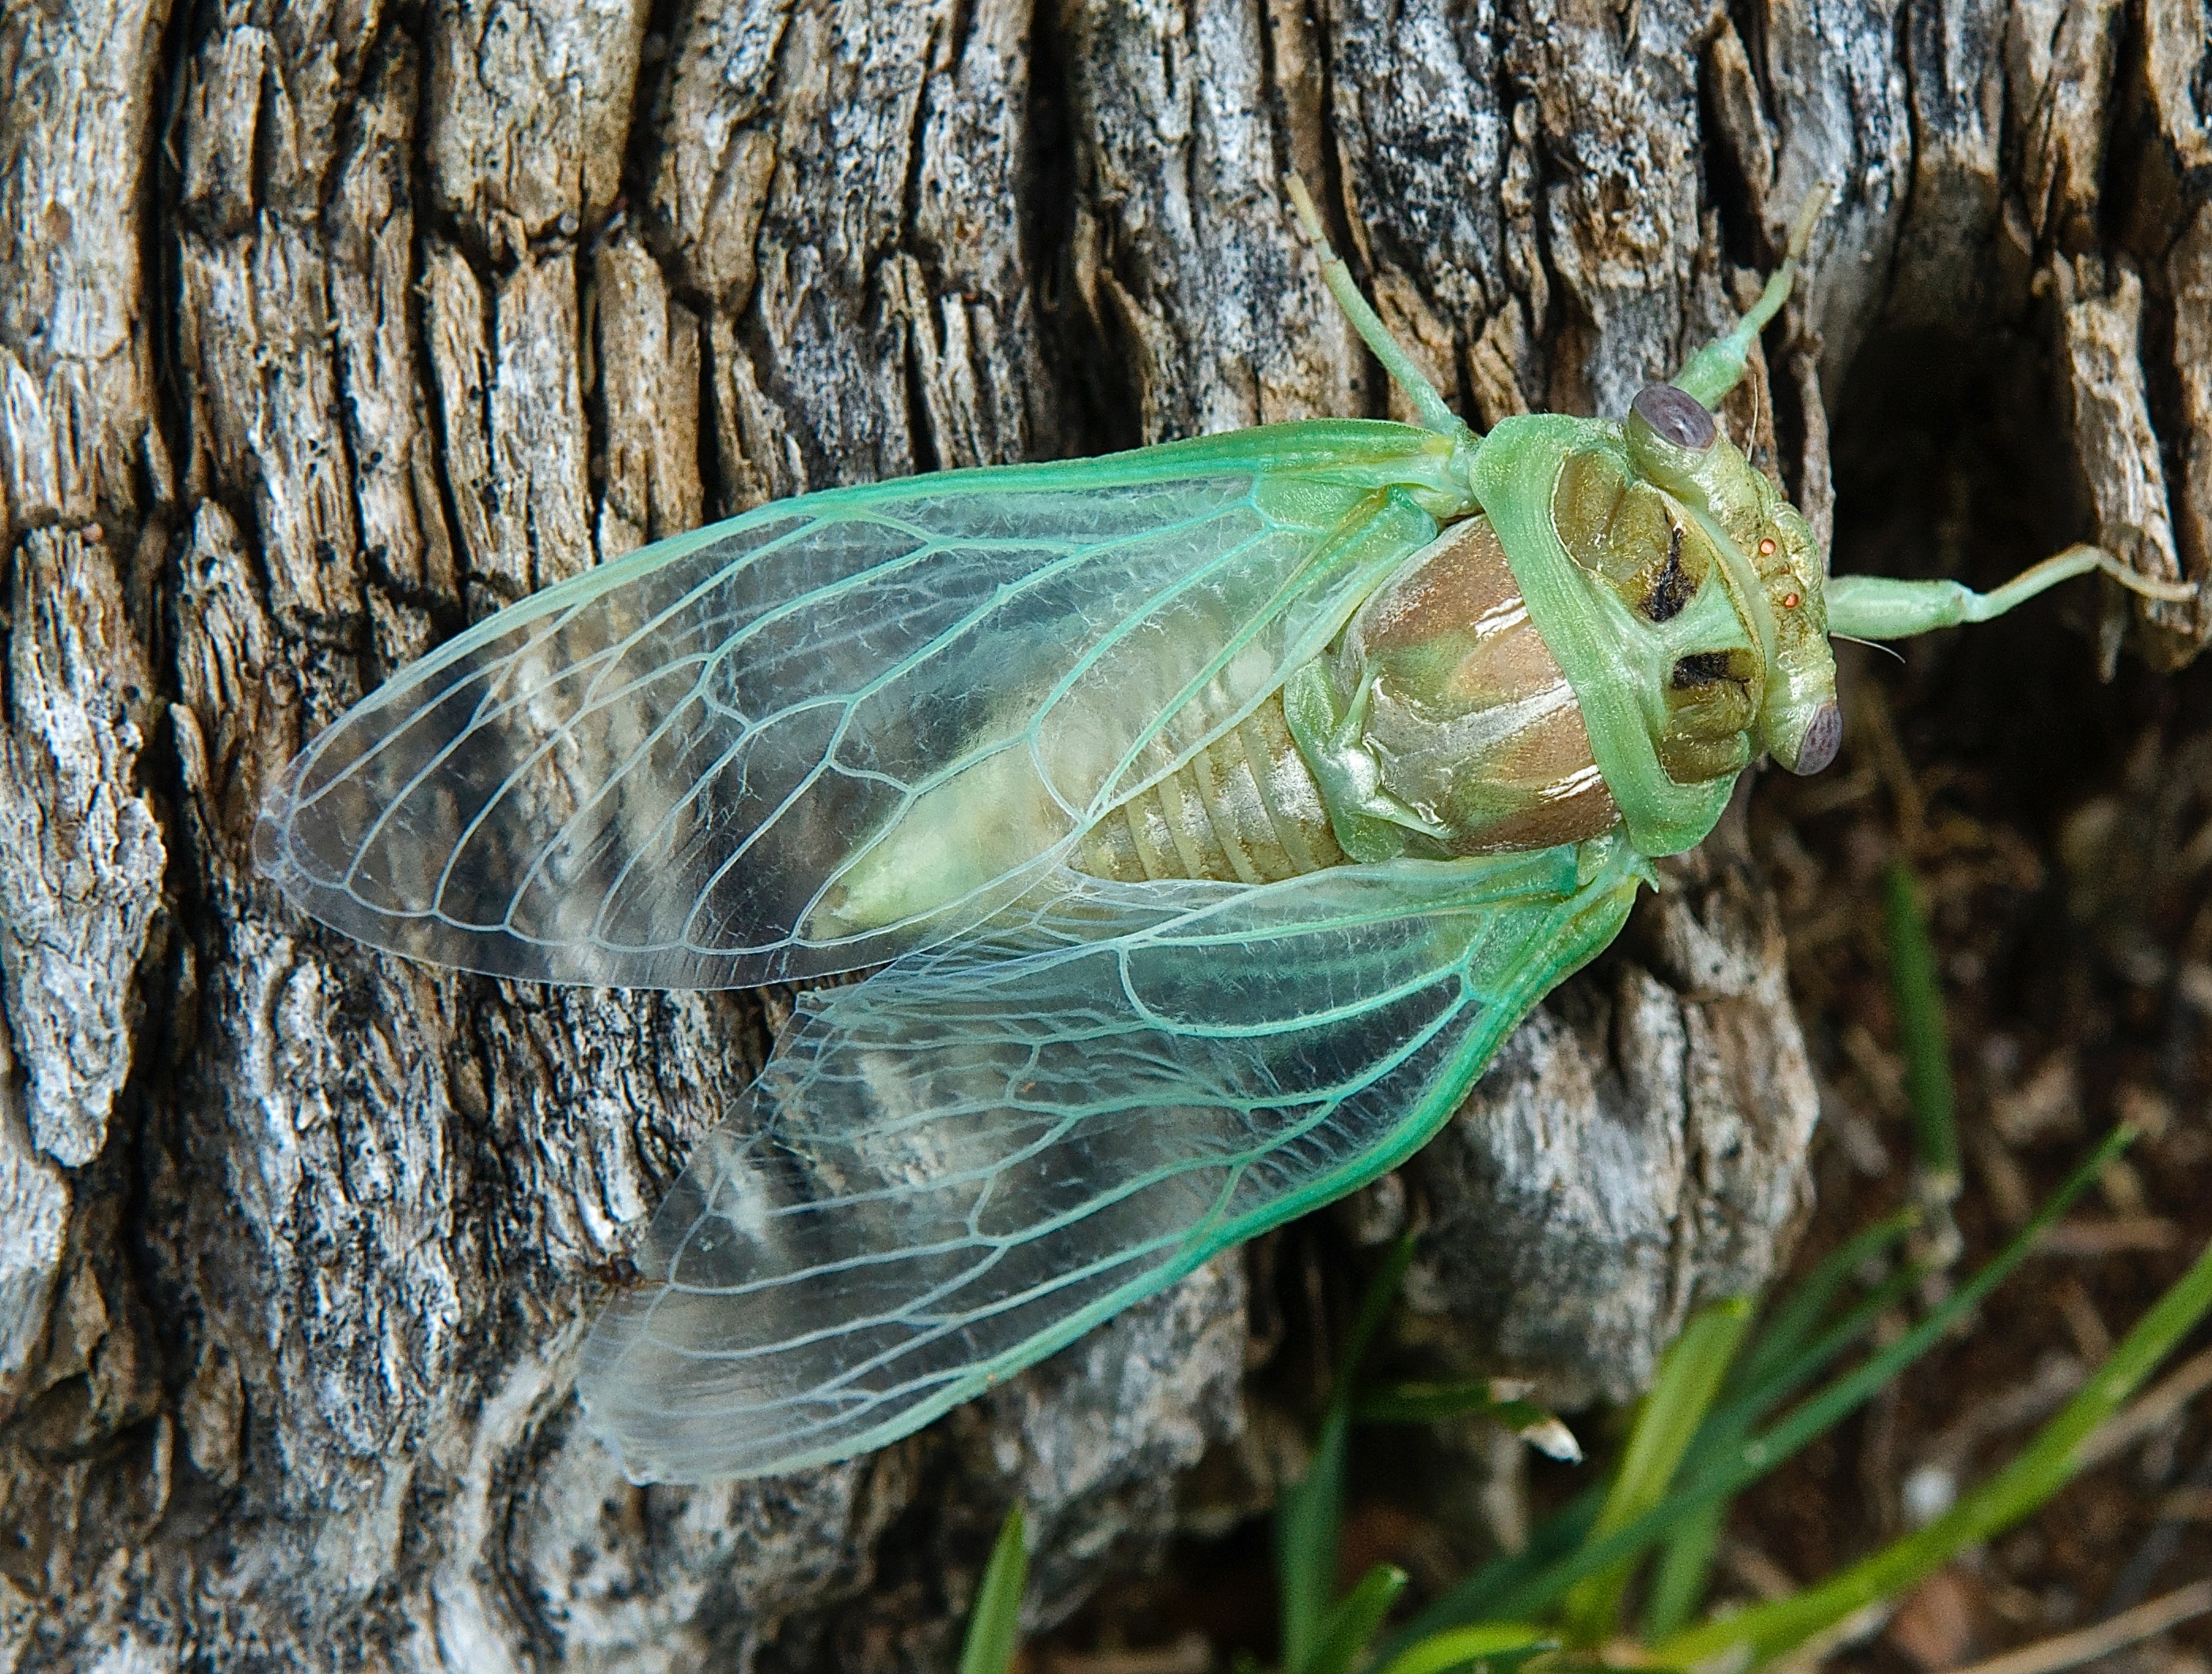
327	328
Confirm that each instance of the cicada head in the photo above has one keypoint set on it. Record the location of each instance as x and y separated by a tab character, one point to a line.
1719	578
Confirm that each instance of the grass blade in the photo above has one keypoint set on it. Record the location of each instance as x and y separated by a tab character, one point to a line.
1507	1576
1463	1648
1789	1352
1348	1627
994	1628
1734	1419
2037	1472
1312	1510
1686	1564
1791	1325
1432	1402
1744	1464
1374	1305
1923	1038
1305	1541
1667	1422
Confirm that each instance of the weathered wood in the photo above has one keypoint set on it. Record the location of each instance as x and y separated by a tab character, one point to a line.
326	329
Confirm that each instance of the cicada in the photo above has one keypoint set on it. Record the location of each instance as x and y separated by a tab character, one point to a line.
1214	811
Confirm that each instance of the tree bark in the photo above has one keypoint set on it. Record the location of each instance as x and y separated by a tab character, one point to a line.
327	329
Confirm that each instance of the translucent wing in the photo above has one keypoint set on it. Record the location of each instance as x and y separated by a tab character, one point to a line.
841	726
952	1169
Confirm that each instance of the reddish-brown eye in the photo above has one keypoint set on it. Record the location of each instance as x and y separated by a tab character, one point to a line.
1766	547
1789	601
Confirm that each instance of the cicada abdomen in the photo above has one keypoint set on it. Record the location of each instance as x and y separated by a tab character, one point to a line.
1440	725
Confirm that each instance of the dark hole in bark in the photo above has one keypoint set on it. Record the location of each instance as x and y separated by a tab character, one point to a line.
1952	459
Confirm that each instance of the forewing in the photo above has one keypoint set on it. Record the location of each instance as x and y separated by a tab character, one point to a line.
951	1169
679	770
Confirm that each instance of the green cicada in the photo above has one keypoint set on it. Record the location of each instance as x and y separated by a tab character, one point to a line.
1215	811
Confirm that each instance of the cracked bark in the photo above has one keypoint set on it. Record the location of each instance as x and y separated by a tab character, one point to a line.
327	329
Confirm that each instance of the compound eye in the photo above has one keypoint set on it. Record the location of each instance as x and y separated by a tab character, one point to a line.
1823	736
1674	417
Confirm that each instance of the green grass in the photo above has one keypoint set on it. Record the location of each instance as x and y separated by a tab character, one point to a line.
1314	1624
1631	1557
1576	1579
995	1627
1923	1036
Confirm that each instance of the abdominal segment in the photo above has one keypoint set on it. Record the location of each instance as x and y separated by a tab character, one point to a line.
1245	809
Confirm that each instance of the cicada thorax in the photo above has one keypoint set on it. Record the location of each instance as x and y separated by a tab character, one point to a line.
1442	725
1472	724
1635	616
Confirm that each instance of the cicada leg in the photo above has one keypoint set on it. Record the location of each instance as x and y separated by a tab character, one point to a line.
1883	607
1436	413
1718	367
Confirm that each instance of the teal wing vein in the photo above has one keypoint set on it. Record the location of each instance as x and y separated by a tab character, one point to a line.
951	1169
